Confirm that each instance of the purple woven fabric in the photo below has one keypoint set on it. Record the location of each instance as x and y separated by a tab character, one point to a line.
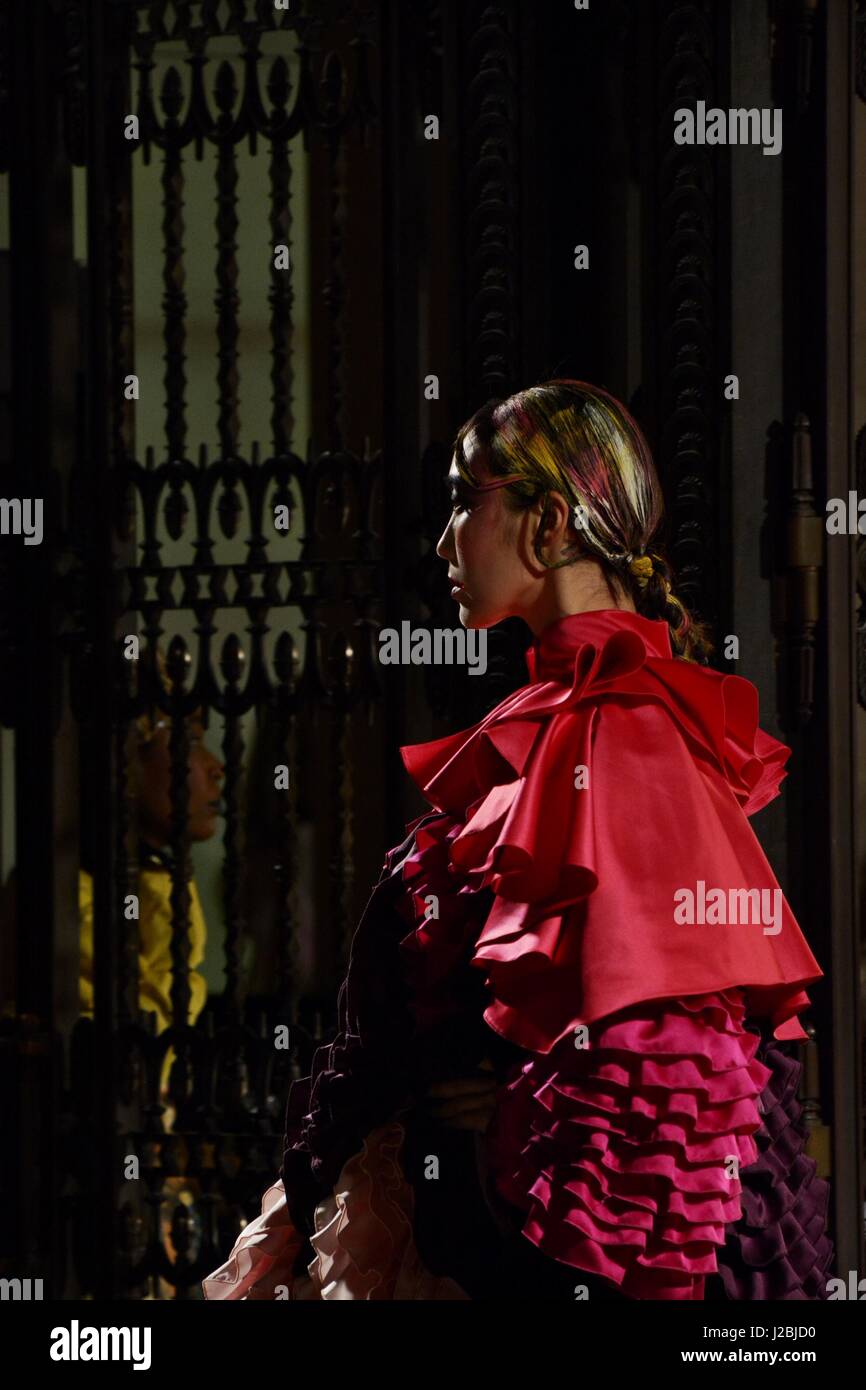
779	1249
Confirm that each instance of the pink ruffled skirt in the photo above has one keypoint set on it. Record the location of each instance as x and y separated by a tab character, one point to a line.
624	1156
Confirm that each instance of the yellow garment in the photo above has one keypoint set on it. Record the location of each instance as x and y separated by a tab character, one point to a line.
154	959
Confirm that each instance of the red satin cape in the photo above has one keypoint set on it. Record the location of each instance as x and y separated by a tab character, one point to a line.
618	777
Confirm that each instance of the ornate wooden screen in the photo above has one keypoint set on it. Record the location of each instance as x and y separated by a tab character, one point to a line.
251	562
313	689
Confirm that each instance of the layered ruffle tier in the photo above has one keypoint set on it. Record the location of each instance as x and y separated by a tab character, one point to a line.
636	1142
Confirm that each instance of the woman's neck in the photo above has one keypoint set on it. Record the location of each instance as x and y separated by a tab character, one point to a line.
580	588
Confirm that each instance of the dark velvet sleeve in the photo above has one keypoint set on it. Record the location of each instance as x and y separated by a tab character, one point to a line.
362	1077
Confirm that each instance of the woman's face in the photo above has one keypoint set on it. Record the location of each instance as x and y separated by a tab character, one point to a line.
489	551
204	782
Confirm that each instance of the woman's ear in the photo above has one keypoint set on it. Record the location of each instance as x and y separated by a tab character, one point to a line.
556	531
534	530
559	516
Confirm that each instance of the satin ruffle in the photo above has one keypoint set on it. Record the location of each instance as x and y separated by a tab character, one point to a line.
363	1240
582	922
616	1152
447	916
263	1256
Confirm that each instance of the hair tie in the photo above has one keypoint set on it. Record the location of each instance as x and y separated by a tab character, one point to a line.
642	569
498	482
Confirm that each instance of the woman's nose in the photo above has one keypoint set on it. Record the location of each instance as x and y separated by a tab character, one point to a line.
445	547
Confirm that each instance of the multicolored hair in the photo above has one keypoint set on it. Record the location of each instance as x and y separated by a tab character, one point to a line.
576	439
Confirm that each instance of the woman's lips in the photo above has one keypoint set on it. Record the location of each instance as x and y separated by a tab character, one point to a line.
457	589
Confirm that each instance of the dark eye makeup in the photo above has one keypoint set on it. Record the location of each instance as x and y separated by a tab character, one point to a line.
459	494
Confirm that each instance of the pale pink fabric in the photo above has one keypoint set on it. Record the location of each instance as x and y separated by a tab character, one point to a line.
363	1239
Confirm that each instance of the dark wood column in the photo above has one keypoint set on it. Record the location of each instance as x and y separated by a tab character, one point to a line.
44	317
843	837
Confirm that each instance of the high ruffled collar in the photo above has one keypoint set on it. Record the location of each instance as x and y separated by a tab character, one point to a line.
551	656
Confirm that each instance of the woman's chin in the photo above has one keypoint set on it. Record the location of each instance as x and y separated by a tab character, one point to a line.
471	618
203	828
470	612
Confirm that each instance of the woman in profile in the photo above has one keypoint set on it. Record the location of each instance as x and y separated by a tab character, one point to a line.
150	773
561	1068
